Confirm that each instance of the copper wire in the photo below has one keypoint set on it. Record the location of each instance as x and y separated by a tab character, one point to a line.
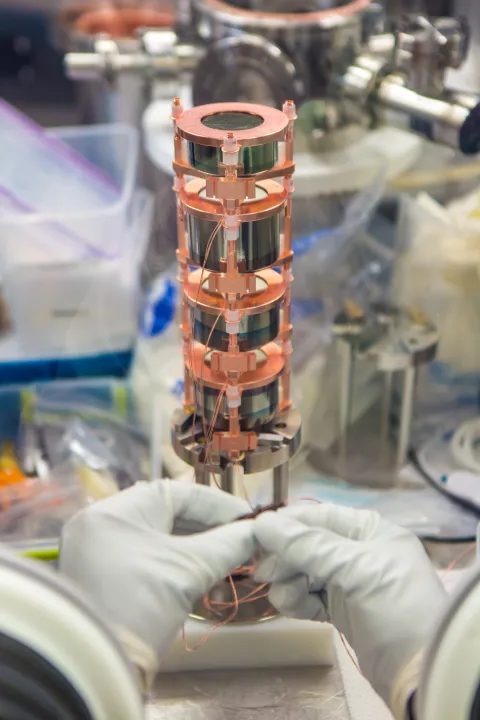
213	629
259	592
211	430
200	384
208	432
459	557
207	253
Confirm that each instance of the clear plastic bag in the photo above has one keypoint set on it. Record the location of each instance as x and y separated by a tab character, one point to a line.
97	420
74	443
325	260
37	508
438	271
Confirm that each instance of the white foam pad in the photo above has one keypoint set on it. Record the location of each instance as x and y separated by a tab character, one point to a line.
280	642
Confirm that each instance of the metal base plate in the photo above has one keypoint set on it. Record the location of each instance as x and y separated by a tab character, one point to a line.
219	606
277	444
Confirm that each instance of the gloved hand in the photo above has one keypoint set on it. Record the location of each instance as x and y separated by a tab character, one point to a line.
371	579
135	555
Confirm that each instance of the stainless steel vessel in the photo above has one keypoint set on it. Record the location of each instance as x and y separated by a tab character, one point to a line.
286	47
106	30
332	60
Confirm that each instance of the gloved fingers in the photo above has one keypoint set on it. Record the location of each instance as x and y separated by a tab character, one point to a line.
146	504
293	599
217	553
196	507
273	568
318	553
162	503
347	522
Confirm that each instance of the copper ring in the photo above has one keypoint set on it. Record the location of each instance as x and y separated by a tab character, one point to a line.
265	373
122	22
250	304
250	210
285	168
284	259
272	129
315	17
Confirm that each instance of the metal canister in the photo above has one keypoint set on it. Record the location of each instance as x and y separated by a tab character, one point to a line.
313	47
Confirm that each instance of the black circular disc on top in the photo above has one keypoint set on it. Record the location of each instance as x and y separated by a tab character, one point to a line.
469	136
247	68
232	121
287	7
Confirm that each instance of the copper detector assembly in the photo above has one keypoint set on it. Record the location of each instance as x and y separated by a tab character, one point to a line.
234	183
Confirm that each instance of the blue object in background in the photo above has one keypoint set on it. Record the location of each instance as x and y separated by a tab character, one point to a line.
115	365
23	36
31	68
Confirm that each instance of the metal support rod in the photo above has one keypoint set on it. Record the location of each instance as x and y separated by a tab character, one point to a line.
346	389
386	406
227	481
202	477
156	439
406	414
280	484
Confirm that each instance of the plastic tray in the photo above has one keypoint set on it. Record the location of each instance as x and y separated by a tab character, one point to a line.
72	225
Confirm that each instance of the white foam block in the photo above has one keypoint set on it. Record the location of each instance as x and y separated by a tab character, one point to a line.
280	642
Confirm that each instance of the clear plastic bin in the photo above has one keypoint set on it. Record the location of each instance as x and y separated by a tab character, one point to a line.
83	307
73	226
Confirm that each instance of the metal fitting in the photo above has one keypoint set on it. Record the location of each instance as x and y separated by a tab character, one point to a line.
158	55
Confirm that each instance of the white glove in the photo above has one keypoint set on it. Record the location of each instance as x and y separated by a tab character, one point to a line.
135	555
372	580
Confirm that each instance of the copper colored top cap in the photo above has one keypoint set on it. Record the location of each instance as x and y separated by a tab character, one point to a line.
122	22
202	125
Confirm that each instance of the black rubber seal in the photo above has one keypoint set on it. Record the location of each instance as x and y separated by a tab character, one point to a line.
33	689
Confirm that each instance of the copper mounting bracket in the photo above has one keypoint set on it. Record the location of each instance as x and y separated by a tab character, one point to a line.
232	284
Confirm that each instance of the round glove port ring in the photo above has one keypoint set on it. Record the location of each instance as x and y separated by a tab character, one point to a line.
49	619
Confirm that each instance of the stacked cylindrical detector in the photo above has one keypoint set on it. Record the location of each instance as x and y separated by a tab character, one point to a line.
233	178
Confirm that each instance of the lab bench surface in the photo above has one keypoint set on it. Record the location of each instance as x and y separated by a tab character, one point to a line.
443	554
268	694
